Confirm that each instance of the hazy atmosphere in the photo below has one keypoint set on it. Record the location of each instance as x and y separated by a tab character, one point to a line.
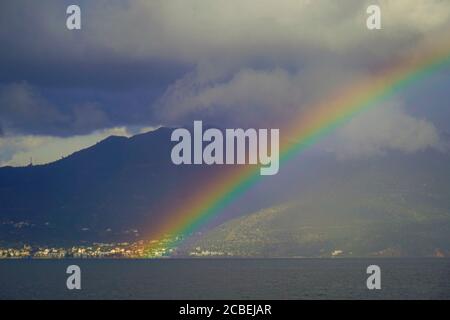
137	65
86	118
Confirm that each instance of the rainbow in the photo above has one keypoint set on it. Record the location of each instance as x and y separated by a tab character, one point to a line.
303	131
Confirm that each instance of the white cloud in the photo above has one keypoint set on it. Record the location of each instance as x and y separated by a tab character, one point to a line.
195	30
384	128
263	62
17	150
252	97
249	94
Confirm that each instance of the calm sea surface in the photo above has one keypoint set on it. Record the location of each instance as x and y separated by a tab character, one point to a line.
226	279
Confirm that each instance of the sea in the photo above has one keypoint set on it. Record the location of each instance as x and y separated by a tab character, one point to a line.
400	278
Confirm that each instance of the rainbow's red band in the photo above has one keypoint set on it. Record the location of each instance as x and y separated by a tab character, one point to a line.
302	132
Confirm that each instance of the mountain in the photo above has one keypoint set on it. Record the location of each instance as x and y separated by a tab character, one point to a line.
398	205
121	189
114	189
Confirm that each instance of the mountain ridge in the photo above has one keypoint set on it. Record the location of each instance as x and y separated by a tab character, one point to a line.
120	189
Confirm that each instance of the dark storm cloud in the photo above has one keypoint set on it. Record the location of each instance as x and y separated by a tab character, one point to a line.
104	75
143	62
37	47
24	110
59	82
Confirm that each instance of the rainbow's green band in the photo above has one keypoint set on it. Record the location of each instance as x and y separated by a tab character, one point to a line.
308	128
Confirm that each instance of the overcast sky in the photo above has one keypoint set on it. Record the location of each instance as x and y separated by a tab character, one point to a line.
139	64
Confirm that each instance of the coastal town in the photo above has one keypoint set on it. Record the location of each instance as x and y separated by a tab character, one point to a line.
138	249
